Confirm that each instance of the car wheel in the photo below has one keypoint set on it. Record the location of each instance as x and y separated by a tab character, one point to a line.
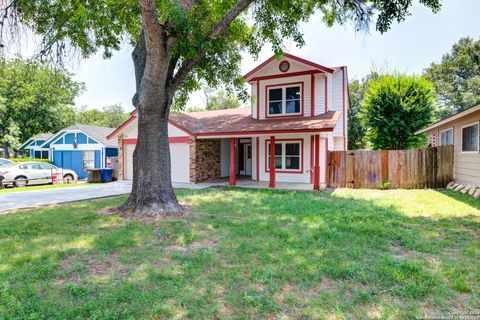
20	182
68	178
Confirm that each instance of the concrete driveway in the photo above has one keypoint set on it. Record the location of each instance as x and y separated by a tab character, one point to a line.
34	198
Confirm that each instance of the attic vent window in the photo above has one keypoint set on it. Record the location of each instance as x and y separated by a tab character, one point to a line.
284	66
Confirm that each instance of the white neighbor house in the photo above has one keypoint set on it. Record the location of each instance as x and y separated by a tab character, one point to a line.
299	105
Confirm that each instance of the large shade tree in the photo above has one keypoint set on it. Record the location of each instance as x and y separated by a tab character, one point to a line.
457	77
177	43
34	98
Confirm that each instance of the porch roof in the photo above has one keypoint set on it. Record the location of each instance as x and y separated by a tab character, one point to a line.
240	121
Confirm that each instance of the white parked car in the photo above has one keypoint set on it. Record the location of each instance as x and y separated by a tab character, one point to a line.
29	173
4	161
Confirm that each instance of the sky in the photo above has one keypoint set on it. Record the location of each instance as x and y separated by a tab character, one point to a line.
407	47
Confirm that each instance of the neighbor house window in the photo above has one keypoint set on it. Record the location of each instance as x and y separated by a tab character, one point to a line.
470	138
88	160
288	155
285	100
446	137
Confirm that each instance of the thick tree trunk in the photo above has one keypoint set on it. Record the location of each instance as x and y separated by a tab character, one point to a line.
152	193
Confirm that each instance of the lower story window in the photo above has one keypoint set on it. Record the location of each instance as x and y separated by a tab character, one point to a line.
470	138
288	155
88	160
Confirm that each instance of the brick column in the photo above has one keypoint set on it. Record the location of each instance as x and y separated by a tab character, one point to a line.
193	159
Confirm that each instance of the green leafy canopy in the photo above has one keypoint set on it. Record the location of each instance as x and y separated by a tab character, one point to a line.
394	108
457	77
34	98
92	25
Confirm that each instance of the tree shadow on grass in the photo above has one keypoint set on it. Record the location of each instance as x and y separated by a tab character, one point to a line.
242	254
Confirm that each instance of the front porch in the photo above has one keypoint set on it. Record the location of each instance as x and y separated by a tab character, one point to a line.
245	183
293	161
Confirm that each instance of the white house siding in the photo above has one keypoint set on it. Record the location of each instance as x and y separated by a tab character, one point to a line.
337	144
329	91
466	166
225	157
307	98
254	99
337	101
273	67
323	162
254	158
320	80
130	132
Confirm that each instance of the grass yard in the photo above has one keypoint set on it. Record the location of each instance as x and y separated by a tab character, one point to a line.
247	254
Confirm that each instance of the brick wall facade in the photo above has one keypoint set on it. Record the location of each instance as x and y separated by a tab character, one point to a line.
120	157
205	160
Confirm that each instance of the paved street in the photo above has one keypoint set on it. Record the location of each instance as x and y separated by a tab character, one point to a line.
34	198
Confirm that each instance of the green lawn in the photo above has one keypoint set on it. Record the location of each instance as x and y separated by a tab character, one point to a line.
42	187
247	254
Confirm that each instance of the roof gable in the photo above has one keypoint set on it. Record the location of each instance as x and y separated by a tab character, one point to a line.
453	117
297	64
96	133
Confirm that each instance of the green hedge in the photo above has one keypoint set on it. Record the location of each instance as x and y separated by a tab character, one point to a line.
29	160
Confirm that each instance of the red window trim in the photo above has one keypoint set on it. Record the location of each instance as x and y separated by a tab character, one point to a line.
285	75
302	89
300	140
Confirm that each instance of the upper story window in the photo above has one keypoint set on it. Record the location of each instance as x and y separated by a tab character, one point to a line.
284	100
470	138
446	137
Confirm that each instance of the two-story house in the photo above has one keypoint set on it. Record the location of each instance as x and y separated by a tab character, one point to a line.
298	114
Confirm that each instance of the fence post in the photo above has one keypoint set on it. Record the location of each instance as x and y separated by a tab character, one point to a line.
384	156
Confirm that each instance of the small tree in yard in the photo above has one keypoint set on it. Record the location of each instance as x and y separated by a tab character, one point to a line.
179	43
394	108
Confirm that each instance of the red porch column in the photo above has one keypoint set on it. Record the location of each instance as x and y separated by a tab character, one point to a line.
316	168
232	181
273	179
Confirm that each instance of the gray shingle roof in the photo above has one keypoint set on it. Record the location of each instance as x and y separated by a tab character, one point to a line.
42	136
98	133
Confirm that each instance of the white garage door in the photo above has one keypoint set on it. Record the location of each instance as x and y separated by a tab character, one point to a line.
180	158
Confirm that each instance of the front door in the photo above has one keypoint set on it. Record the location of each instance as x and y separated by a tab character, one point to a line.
248	159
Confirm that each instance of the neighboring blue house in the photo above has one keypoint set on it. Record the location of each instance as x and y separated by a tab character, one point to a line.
33	146
81	147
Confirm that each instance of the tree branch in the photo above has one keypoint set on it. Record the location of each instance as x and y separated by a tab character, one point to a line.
187	4
150	24
216	31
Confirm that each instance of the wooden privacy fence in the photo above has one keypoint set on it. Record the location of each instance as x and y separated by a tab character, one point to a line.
407	169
